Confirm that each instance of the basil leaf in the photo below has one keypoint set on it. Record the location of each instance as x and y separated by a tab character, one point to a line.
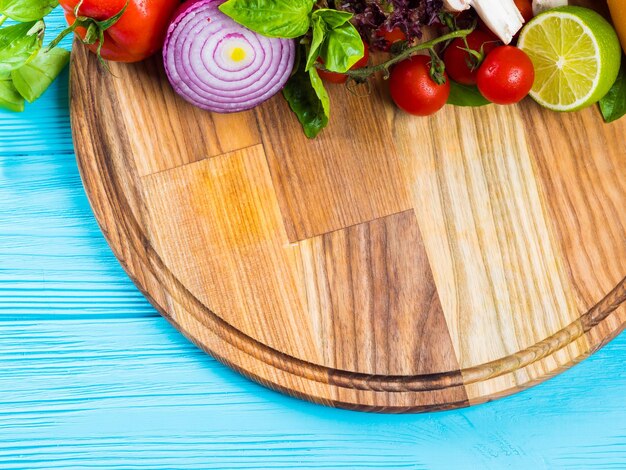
319	36
273	18
308	99
34	78
27	10
9	97
613	105
343	48
332	18
19	44
466	96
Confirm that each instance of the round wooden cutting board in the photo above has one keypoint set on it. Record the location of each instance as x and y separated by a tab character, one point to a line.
394	264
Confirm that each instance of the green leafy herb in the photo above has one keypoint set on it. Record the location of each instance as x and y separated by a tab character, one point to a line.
308	99
613	105
467	96
335	40
319	36
19	44
9	97
34	78
27	10
273	18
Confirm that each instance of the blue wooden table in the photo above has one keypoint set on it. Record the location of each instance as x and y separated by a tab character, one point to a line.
92	377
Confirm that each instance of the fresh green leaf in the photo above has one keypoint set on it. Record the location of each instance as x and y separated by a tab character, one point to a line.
335	40
332	18
343	48
309	100
27	10
320	91
273	18
467	96
9	97
613	105
19	44
34	78
319	37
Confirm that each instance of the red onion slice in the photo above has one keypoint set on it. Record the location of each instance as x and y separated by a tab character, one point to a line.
221	66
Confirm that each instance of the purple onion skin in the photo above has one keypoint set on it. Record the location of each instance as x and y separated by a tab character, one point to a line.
196	63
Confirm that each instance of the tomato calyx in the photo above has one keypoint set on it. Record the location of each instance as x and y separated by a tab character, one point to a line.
94	30
476	58
437	68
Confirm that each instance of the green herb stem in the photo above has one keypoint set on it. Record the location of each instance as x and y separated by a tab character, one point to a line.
3	18
360	75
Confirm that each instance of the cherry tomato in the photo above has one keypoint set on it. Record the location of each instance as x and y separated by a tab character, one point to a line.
391	37
506	76
525	7
414	90
137	35
333	77
460	64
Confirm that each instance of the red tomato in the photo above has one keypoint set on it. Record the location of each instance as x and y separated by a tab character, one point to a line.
506	76
332	77
460	65
137	35
414	90
391	37
526	9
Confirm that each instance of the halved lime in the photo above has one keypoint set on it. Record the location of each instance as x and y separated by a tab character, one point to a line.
576	54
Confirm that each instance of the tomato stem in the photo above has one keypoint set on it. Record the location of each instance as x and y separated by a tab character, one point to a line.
361	75
95	30
63	34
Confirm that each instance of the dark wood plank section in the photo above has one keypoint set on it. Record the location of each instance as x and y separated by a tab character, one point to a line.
347	176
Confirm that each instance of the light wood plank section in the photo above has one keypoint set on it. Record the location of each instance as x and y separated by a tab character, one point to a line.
348	175
501	278
217	226
162	127
586	192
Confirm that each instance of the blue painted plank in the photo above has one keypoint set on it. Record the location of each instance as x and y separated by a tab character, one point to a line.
132	393
44	128
91	377
54	262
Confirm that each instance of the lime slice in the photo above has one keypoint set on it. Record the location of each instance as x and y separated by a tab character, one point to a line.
576	54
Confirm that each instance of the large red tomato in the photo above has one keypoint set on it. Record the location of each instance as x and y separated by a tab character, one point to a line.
137	35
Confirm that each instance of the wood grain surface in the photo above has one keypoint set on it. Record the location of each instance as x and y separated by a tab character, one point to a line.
396	264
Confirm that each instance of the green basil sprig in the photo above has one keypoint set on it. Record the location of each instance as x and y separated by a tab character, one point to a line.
26	69
308	99
335	40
